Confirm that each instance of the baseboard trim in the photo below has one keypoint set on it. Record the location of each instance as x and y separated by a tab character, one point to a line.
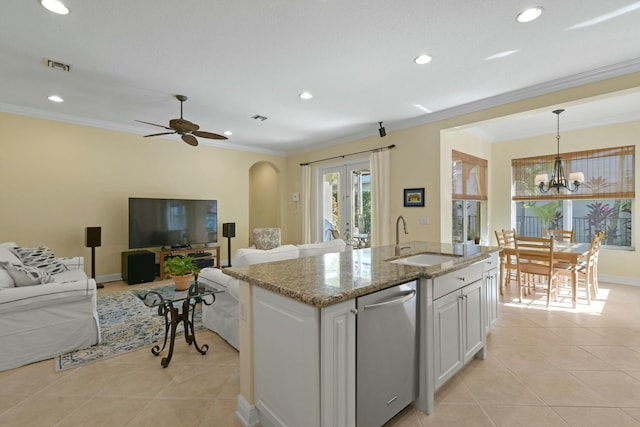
246	413
620	280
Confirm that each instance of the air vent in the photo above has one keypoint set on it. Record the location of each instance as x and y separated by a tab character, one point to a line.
259	117
58	65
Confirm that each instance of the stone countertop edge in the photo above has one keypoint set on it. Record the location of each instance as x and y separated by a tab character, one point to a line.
328	279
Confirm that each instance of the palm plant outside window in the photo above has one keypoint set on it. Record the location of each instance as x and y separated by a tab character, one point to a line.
603	202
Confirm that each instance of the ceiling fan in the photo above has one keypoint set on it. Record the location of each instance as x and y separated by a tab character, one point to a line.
186	129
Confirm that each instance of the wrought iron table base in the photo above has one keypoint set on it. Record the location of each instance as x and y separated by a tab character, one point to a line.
172	318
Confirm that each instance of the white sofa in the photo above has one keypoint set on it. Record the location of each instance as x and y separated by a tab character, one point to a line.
222	316
41	321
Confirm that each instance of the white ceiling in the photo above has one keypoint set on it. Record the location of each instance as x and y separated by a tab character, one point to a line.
236	59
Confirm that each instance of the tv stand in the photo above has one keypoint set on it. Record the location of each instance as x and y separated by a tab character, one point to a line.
212	252
186	246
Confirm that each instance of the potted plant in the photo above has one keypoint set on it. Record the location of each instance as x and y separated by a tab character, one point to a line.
181	270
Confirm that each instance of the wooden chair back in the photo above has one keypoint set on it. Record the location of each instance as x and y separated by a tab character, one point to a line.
509	236
534	263
565	235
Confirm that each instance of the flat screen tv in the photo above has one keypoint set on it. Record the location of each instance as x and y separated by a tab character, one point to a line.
171	222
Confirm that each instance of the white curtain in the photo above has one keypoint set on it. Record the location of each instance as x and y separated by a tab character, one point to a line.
305	203
380	198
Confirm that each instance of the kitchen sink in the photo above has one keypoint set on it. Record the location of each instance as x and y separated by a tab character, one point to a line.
426	260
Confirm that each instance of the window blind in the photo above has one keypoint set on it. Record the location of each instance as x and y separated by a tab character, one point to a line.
608	174
469	177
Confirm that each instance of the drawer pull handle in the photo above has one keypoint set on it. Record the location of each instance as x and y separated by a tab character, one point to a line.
394	398
461	278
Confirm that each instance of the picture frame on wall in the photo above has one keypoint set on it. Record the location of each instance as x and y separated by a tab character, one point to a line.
413	197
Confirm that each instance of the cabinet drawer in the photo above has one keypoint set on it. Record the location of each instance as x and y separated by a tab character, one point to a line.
456	279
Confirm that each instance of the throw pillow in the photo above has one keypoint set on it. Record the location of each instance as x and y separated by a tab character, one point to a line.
25	275
5	279
266	238
42	258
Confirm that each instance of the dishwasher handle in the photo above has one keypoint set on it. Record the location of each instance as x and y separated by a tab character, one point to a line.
406	296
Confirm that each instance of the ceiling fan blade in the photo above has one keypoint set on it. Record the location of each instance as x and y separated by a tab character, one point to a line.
158	134
190	139
153	124
209	135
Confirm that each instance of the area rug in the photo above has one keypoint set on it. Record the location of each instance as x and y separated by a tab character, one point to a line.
126	324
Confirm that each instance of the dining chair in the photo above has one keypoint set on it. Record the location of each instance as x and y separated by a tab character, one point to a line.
506	264
565	235
534	263
587	270
509	237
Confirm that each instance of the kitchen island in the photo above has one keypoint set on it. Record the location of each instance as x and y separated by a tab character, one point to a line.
298	326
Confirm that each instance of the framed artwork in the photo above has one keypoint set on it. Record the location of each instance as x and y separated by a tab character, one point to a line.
414	196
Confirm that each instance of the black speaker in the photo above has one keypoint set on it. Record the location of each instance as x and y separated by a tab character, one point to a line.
138	267
92	237
229	229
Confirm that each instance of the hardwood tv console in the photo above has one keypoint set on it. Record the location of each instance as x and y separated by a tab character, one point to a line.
196	254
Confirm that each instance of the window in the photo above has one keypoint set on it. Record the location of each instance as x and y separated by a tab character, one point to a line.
469	193
603	202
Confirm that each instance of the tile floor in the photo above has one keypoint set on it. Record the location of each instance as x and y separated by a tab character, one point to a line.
545	367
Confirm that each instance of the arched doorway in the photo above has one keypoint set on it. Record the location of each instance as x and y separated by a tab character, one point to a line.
264	196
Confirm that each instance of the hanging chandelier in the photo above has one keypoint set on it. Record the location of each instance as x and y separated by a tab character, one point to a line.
558	178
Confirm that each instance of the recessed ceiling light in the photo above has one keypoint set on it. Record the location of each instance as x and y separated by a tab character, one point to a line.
530	14
422	59
55	6
55	98
306	95
228	132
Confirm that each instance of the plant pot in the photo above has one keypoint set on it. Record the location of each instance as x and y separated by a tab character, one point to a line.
182	282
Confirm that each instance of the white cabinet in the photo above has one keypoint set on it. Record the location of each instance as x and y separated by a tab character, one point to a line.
458	330
304	360
491	289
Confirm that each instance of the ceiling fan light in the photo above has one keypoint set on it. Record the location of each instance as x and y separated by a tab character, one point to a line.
55	98
55	6
228	132
529	15
422	59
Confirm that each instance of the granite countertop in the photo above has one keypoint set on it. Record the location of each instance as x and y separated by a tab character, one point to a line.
331	278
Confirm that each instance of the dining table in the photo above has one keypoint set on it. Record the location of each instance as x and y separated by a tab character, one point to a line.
570	254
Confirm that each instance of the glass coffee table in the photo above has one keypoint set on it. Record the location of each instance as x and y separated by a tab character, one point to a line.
169	300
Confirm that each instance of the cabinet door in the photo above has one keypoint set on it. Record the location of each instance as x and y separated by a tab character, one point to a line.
473	333
447	326
338	365
491	290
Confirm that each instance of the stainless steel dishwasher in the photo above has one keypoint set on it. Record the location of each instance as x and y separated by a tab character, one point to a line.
386	354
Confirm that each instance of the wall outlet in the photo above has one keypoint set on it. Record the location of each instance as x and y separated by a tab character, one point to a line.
295	197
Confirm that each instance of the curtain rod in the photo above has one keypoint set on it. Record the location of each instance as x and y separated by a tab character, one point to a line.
351	154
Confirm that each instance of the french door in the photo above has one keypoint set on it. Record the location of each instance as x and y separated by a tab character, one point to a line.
344	202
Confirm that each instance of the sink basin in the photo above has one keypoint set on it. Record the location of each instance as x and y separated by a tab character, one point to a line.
425	260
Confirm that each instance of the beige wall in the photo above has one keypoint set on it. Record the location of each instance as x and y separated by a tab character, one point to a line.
59	178
264	197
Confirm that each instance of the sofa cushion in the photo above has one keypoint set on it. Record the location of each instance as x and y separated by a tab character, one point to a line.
8	245
6	281
247	256
26	275
266	238
313	249
42	258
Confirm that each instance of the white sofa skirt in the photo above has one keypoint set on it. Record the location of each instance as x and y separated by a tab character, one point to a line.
222	316
58	318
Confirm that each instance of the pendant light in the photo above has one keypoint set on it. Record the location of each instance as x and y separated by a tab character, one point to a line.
558	178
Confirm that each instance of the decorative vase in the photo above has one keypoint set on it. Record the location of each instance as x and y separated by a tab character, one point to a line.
182	282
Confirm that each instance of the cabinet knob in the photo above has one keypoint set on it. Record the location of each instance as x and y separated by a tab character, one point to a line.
354	311
461	278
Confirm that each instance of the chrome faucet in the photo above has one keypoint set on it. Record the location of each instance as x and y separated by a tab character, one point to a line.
404	223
